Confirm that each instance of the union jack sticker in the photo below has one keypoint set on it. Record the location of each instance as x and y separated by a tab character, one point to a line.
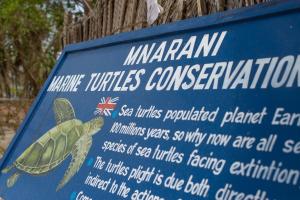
106	106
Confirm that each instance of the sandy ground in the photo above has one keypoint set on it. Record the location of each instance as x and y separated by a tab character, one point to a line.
12	114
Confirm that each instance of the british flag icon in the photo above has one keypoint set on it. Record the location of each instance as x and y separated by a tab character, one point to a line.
106	106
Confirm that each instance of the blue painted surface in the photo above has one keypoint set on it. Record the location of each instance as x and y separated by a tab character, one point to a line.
267	30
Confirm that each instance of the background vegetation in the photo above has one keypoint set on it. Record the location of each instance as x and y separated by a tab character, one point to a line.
30	34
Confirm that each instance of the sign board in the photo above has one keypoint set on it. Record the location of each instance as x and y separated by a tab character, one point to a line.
205	108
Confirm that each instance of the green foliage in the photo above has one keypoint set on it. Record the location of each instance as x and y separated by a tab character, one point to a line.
29	42
23	15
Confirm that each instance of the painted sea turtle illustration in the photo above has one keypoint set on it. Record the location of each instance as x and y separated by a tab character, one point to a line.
69	137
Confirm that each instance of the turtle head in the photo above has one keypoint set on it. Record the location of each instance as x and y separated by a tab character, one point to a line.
93	126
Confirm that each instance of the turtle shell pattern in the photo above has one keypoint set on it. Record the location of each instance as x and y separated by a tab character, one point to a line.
51	149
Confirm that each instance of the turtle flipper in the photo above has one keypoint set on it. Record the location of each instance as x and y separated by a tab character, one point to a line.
13	179
79	153
7	169
63	110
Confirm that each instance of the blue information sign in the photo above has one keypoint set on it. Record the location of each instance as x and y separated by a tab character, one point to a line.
204	108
